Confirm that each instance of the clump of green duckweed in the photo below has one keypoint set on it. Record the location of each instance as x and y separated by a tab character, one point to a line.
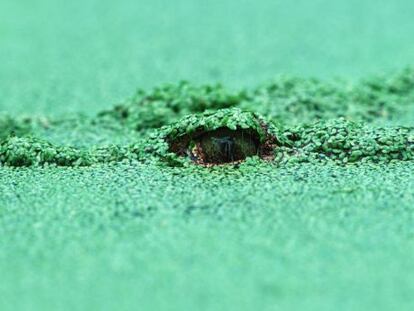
169	103
27	151
30	151
287	100
292	100
14	126
297	100
345	141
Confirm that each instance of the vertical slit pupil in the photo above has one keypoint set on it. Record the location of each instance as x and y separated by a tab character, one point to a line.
223	146
226	147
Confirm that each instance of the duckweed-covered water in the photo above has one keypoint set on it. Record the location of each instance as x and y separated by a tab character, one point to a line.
102	208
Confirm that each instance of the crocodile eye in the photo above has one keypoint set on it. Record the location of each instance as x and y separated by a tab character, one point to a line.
224	146
220	137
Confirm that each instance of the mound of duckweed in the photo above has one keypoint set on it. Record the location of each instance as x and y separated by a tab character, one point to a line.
288	100
177	139
337	140
14	126
298	100
286	120
30	151
169	103
345	141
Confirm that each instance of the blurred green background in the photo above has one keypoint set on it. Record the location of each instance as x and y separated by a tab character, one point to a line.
83	56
